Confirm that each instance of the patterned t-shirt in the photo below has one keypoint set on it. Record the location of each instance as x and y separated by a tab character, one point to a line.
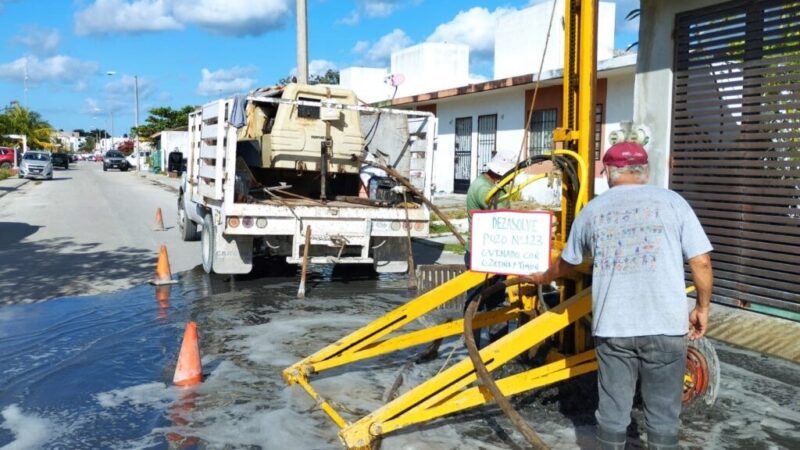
639	237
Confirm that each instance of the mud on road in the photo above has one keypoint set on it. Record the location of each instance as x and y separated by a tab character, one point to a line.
95	372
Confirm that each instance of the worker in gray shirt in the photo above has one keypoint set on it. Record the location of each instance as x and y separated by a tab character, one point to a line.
639	237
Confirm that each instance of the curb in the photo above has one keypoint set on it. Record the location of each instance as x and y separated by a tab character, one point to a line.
23	182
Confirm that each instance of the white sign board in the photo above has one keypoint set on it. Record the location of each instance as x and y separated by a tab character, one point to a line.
510	242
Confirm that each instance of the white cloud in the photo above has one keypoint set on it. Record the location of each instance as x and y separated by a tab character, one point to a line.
230	17
360	47
474	27
374	8
120	16
226	81
351	19
380	52
233	17
477	78
320	66
380	8
123	87
59	68
39	41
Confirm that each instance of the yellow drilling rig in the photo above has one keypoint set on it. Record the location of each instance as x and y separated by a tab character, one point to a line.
565	326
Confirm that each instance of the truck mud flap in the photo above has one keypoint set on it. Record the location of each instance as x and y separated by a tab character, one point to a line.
233	254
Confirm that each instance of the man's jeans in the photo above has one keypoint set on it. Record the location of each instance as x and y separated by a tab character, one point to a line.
659	362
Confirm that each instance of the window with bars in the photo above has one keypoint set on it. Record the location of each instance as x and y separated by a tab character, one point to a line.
598	131
540	134
487	140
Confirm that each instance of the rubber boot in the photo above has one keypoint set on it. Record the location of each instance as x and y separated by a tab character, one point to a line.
609	440
662	441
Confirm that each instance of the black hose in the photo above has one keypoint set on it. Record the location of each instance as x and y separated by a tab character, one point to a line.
484	375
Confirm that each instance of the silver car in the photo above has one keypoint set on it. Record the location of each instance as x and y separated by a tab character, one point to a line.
36	164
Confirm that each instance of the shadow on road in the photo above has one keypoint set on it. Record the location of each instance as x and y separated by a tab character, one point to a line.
36	270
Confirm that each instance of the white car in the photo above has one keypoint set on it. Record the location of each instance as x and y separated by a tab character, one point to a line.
36	164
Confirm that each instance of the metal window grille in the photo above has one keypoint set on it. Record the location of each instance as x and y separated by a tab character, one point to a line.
487	140
598	131
463	154
540	134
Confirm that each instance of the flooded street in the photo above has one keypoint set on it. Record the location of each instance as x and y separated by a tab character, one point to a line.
95	372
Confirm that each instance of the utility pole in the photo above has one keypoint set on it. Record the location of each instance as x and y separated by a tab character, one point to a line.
136	119
302	42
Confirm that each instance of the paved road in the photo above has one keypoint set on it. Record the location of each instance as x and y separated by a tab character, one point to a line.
85	232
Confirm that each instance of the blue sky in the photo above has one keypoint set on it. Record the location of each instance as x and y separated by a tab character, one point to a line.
191	51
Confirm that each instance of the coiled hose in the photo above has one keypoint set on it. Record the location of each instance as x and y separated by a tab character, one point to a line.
483	374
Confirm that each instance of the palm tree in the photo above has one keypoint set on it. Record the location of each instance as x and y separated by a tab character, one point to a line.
19	120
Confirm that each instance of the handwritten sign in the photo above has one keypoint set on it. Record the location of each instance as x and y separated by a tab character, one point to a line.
510	242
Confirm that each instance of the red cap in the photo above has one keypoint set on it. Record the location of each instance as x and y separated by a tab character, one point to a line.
625	154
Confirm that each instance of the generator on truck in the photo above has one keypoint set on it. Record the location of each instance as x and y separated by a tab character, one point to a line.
263	169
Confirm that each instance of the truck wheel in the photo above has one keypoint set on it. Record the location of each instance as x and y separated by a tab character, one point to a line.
701	379
186	225
5	165
207	243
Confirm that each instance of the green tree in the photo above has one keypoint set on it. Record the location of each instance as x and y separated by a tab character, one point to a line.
19	120
163	118
88	144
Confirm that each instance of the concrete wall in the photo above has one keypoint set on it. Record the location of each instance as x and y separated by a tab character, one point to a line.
509	107
652	96
431	66
173	140
618	108
367	82
520	38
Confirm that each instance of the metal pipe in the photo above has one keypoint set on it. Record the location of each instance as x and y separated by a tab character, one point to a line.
136	116
302	42
301	291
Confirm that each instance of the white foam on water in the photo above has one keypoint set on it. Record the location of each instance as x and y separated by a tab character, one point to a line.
282	342
30	431
155	395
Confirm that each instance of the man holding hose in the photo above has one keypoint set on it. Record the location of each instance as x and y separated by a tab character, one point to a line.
639	237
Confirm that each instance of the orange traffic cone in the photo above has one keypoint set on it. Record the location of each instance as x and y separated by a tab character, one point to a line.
163	272
159	225
189	370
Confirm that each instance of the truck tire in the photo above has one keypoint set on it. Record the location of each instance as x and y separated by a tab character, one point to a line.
701	381
207	237
186	225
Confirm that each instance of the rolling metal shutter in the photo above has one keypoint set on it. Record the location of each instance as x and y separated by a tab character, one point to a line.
735	144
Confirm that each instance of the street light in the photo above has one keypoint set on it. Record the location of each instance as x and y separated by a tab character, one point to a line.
111	73
136	120
24	140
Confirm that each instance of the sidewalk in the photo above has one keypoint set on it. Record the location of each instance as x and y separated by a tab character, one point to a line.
172	184
11	184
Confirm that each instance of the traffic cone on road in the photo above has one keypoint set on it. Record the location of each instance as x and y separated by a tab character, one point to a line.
189	370
163	272
159	224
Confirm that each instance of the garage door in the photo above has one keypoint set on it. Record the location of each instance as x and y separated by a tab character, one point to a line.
735	141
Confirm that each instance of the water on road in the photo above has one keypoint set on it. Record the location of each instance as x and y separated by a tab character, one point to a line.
95	372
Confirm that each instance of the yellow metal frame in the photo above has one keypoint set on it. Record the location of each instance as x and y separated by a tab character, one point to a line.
452	390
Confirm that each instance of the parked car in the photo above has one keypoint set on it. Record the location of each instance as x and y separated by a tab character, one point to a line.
6	158
73	158
115	160
36	164
98	158
60	160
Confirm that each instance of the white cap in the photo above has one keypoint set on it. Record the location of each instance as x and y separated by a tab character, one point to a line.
502	162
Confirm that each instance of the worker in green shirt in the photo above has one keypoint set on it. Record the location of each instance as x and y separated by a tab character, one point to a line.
501	163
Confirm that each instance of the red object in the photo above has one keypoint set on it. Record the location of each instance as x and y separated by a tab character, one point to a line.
625	154
98	158
6	156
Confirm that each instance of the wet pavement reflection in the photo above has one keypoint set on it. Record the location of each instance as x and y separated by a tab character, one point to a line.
96	372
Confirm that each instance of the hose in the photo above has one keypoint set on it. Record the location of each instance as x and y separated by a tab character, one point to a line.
483	374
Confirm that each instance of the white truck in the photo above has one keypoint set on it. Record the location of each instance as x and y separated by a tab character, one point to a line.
261	170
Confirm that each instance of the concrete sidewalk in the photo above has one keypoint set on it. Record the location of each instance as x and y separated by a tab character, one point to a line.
172	184
11	184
